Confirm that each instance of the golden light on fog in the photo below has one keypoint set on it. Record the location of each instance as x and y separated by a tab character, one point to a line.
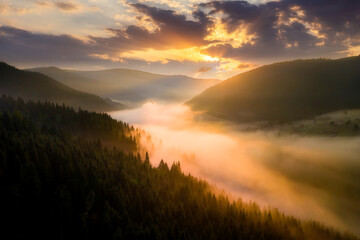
256	165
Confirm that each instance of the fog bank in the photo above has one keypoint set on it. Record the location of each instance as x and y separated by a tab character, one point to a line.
309	177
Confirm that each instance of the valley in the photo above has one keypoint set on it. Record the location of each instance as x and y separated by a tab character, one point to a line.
180	120
305	166
312	176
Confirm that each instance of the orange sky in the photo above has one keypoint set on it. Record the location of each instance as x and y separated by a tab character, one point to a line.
192	37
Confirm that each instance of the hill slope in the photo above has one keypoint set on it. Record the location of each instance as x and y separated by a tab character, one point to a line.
96	86
130	86
285	91
36	86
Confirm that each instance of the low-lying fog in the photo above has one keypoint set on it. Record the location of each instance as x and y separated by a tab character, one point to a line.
309	177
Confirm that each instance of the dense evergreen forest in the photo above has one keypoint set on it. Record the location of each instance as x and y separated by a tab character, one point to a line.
67	174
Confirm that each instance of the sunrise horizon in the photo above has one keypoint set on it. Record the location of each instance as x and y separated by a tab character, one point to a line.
195	38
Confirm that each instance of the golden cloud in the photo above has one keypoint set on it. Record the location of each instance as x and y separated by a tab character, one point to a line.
237	38
191	54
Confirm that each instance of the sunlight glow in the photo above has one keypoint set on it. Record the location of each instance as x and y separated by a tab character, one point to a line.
352	50
236	38
224	65
190	54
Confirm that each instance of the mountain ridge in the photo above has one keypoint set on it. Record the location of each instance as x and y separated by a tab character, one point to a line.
36	86
130	86
284	91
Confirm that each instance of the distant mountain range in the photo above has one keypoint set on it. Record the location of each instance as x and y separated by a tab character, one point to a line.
36	86
131	87
285	91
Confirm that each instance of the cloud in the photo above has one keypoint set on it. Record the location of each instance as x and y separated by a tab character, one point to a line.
235	29
227	32
288	28
243	65
17	45
170	30
42	3
3	8
204	69
66	6
9	8
70	6
28	49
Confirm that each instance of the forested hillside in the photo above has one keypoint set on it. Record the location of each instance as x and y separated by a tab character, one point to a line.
285	91
36	86
76	175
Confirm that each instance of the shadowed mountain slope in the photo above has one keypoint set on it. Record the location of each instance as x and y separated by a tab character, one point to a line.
36	86
285	91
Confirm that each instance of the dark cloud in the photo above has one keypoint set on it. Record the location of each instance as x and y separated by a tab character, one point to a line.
17	45
281	28
204	69
173	30
26	49
66	6
334	15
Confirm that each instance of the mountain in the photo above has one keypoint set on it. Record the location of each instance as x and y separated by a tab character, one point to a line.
60	180
97	86
36	86
130	86
285	91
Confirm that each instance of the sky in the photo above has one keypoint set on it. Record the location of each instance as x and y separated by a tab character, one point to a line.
198	38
